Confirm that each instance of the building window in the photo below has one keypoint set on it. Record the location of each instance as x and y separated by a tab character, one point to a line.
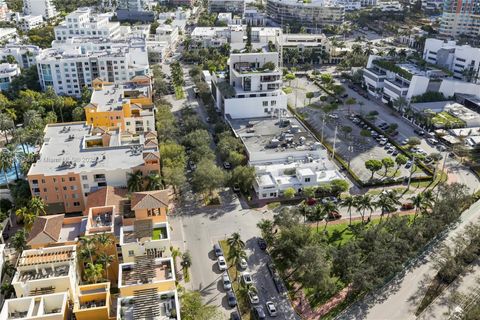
307	179
74	196
71	179
265	103
273	103
86	186
85	177
64	188
73	188
43	180
35	181
131	253
76	204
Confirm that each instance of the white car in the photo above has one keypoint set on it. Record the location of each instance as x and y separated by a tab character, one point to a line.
243	263
222	264
333	116
272	311
227	284
253	297
247	278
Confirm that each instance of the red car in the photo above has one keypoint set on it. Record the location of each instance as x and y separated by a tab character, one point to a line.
407	206
334	215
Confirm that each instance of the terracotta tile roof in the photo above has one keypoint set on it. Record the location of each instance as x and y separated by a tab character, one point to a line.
108	196
151	155
150	199
45	230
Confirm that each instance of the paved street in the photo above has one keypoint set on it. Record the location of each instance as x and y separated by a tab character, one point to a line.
400	298
197	231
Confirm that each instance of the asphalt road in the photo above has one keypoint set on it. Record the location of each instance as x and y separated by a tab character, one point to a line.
198	229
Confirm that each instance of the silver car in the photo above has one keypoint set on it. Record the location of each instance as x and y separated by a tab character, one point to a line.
227	284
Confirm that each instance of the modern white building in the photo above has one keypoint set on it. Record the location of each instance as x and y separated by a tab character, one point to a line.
284	153
391	80
254	89
350	5
4	11
44	8
8	33
462	60
24	54
53	306
312	15
132	5
255	18
236	7
167	33
82	22
70	65
390	6
29	22
7	73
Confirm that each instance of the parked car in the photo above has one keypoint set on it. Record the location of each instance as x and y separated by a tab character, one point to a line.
234	316
218	250
419	132
243	263
247	278
258	313
407	206
394	133
236	188
227	284
345	95
408	165
253	297
222	264
404	142
334	215
395	152
441	147
262	244
383	142
232	301
227	165
272	311
432	141
333	116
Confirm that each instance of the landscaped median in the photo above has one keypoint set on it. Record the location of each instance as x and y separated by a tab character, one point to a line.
243	305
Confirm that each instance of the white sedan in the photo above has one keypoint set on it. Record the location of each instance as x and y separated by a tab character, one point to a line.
222	264
272	311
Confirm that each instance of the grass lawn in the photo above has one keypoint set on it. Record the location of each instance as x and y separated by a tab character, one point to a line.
243	305
179	94
273	205
424	184
157	234
445	119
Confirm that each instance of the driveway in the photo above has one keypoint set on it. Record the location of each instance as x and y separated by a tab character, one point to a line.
198	228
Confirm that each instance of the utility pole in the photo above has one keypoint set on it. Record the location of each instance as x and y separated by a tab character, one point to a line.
411	172
334	142
323	125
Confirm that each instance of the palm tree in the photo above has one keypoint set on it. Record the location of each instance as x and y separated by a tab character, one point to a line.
392	52
428	199
93	272
6	162
106	260
26	161
328	208
348	203
28	220
417	201
385	204
87	245
365	203
236	242
318	214
235	256
37	205
103	239
19	241
154	182
14	151
135	181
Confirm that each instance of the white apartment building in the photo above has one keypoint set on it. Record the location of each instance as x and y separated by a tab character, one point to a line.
7	73
236	7
52	306
73	64
82	22
390	6
254	89
4	11
44	8
284	154
24	54
29	22
167	33
8	33
132	5
46	271
460	18
462	60
390	80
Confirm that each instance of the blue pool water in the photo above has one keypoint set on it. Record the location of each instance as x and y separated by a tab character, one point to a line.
11	173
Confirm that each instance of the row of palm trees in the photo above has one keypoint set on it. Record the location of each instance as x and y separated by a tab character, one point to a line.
137	182
93	254
387	202
35	207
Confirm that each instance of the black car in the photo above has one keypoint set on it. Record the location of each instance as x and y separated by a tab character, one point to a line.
258	313
262	244
234	316
218	250
232	301
419	132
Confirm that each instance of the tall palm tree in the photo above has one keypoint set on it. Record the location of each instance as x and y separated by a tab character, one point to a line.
6	162
384	203
38	206
28	220
87	245
106	260
135	181
26	161
349	202
14	151
418	202
235	256
103	240
21	213
328	208
235	241
317	214
365	203
428	199
93	272
154	182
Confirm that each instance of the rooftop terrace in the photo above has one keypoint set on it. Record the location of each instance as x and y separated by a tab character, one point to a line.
113	96
146	270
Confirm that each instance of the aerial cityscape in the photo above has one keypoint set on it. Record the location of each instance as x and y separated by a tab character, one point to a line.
240	159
